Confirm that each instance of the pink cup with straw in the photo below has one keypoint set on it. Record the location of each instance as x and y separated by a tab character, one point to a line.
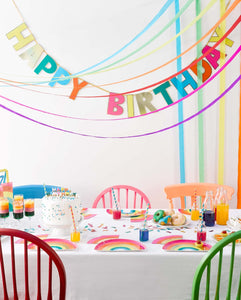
116	210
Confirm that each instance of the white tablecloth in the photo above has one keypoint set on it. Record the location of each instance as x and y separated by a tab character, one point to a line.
150	274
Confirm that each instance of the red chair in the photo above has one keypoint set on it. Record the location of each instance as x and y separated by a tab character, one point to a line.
41	245
127	196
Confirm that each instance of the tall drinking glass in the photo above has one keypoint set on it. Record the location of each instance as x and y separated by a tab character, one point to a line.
18	207
29	212
4	209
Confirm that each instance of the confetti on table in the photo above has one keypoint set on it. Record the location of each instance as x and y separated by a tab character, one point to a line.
88	216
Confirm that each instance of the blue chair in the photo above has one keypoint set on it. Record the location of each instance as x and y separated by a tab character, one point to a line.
33	191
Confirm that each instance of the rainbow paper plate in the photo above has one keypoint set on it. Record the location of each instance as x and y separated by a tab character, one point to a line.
185	245
41	236
128	213
57	244
167	239
102	238
141	218
185	211
120	245
219	236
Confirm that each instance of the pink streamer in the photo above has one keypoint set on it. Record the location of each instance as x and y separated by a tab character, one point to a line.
129	136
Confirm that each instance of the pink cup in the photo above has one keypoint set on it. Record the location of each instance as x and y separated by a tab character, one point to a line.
116	214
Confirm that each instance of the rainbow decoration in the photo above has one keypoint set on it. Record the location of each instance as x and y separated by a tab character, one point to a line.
102	238
185	211
41	236
167	239
185	245
141	218
120	245
219	236
131	213
57	244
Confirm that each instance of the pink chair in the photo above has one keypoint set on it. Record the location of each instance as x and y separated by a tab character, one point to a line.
41	245
127	196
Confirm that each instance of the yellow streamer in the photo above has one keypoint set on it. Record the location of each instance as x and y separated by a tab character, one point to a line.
210	4
222	101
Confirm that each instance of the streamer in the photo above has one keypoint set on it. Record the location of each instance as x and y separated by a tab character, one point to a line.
130	136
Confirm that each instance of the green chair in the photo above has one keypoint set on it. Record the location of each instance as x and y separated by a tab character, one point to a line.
205	263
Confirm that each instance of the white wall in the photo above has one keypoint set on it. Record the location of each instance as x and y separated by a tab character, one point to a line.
78	35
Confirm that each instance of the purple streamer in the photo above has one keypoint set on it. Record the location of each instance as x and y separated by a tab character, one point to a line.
152	112
129	136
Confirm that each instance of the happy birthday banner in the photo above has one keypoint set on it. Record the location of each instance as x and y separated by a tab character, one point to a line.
143	100
116	101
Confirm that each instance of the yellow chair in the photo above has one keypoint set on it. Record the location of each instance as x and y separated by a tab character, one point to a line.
183	190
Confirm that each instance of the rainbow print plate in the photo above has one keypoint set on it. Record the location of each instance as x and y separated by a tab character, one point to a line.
219	236
129	213
185	245
141	218
167	239
102	238
185	211
120	245
57	244
41	236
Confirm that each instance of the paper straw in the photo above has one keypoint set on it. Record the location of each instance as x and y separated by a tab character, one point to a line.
116	203
72	215
202	222
148	205
195	199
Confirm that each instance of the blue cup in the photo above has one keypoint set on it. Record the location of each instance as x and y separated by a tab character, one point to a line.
144	235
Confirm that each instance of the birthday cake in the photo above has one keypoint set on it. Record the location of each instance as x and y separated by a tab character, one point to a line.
56	209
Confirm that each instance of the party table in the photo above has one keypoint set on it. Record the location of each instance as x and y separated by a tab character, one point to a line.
150	273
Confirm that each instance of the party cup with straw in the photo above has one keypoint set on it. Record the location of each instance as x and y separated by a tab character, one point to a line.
75	234
201	232
116	211
195	210
144	233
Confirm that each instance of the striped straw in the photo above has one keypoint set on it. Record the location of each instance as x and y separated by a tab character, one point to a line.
148	205
202	213
195	199
45	191
116	203
73	220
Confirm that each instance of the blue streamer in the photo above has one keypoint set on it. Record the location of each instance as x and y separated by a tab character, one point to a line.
180	105
160	13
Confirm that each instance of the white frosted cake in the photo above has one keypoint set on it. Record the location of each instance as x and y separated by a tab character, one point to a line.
56	212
